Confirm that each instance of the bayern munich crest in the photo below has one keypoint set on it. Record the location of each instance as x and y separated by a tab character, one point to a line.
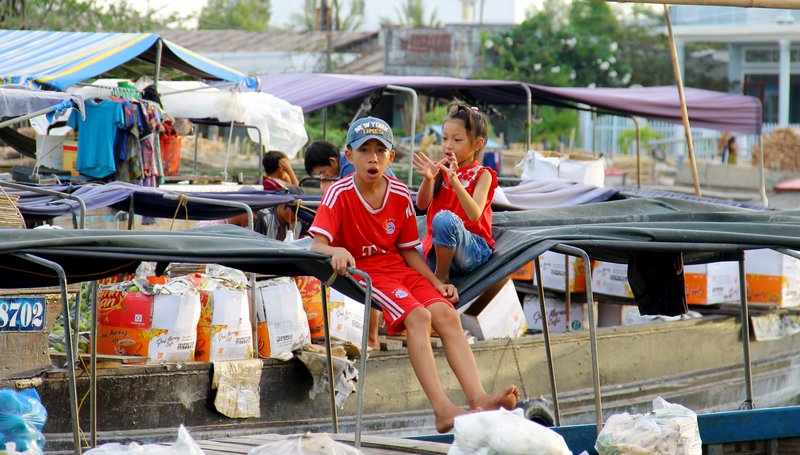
390	227
400	293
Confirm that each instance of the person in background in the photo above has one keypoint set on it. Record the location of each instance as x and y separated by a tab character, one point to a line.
457	193
324	161
370	216
279	172
733	151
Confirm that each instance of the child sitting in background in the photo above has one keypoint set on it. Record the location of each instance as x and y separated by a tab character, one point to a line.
280	174
457	193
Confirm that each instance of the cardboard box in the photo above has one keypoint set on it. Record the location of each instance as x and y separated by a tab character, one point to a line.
707	284
224	331
556	314
346	318
171	336
553	271
772	278
70	158
281	322
497	313
611	279
311	294
613	315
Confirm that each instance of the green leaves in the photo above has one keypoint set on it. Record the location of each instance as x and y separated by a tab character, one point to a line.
249	15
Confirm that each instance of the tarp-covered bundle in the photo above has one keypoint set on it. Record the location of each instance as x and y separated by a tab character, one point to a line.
17	100
60	59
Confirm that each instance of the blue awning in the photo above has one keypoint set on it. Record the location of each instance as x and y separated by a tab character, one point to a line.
60	59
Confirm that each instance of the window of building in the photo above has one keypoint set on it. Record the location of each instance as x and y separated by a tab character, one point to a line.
769	55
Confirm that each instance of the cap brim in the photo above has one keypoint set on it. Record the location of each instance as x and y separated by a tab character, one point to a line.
359	142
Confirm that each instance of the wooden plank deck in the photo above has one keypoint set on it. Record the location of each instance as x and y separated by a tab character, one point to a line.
370	445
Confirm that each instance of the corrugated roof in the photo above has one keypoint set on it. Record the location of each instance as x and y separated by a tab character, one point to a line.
242	41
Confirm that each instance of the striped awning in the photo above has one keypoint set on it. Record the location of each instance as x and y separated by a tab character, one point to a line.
61	59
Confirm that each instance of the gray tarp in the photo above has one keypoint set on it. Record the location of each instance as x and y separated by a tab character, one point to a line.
89	255
612	231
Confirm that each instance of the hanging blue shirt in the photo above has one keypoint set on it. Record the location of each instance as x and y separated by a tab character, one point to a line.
96	136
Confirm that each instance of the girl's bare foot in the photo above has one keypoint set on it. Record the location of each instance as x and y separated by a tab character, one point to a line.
446	419
506	399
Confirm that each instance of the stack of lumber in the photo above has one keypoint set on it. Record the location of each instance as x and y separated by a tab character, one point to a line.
781	150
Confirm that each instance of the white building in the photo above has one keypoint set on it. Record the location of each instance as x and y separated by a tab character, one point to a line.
764	52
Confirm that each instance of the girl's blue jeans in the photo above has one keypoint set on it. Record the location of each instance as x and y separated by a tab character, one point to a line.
471	250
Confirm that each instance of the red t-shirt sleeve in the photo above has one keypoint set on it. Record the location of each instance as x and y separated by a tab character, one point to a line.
409	235
325	222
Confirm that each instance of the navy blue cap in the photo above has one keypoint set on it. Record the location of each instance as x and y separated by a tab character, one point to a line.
368	128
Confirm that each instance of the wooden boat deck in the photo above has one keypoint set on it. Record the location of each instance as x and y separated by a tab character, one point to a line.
370	445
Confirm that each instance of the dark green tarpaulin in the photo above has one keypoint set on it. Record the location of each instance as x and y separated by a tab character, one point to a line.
88	255
612	231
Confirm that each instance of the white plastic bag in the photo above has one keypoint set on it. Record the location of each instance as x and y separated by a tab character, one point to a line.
504	432
185	445
671	429
304	444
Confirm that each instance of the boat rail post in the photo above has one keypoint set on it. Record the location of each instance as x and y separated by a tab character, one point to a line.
414	108
73	391
362	367
58	194
598	406
204	200
547	347
748	372
93	368
131	212
329	358
529	105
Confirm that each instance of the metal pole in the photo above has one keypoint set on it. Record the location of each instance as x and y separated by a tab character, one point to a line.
598	407
684	112
547	347
413	128
567	295
131	213
93	368
196	140
73	392
594	132
362	366
748	372
329	358
58	194
324	123
26	117
529	101
638	152
159	48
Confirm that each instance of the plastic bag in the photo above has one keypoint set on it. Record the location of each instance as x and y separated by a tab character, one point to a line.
671	429
504	432
184	445
22	418
305	444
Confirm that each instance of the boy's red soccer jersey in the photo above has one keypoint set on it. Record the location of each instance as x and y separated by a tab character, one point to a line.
373	235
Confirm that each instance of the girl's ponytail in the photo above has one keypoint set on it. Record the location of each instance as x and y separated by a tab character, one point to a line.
475	122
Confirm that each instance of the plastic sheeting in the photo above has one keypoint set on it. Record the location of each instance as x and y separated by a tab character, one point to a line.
16	100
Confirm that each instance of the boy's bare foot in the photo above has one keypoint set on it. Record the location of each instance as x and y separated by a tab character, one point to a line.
446	420
506	399
374	345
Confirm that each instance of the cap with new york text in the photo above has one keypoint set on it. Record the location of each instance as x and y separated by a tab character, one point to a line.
368	128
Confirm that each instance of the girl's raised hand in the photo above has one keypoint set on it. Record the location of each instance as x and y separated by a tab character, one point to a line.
426	168
449	165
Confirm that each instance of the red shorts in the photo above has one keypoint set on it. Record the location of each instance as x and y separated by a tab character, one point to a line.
399	293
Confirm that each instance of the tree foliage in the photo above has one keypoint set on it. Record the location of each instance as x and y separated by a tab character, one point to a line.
412	13
249	15
578	48
342	19
80	15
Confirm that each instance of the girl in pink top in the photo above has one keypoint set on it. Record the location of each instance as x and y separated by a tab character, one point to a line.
457	193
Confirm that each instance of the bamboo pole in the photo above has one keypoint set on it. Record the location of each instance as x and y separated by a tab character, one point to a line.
779	4
684	113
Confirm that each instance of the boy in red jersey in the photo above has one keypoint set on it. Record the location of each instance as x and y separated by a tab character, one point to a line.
367	220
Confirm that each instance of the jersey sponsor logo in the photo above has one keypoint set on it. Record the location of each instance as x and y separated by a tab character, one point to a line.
390	226
368	250
400	293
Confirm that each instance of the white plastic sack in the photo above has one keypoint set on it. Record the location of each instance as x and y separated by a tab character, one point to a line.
185	445
588	172
671	429
538	167
281	320
305	444
503	432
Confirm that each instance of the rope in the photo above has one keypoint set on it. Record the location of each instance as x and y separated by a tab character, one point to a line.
182	201
13	204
